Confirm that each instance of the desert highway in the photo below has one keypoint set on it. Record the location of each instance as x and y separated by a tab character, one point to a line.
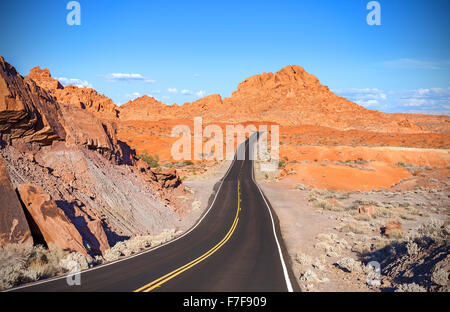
236	246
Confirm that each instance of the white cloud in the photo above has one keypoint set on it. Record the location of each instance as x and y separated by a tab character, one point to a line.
431	98
364	97
197	76
74	81
129	77
172	90
133	95
200	93
423	99
186	92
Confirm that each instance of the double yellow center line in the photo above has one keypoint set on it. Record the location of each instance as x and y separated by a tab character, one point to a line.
158	282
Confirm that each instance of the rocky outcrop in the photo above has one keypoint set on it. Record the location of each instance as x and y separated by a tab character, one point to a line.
26	110
51	221
96	201
85	98
148	108
44	79
288	97
83	128
13	224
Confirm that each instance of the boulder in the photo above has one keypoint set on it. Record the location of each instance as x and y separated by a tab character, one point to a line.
370	210
391	226
13	224
167	178
53	224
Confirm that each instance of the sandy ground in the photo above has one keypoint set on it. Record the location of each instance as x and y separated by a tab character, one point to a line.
326	235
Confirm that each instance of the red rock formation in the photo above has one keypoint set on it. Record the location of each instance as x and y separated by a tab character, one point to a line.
289	97
13	224
44	79
92	194
53	224
26	110
392	225
83	128
370	210
85	98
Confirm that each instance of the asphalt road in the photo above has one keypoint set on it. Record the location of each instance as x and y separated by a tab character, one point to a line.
236	246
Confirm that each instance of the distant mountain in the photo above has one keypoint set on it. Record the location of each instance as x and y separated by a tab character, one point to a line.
291	96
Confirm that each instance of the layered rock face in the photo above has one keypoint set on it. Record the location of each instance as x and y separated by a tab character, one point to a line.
13	224
26	110
77	182
85	98
289	97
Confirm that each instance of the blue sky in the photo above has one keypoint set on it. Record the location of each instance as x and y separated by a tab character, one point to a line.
179	51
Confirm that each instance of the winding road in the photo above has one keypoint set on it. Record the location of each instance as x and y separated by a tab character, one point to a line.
235	247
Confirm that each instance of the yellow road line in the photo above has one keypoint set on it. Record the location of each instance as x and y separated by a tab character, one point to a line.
158	282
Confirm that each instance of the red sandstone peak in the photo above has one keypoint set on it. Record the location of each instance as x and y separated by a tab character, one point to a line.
44	79
85	98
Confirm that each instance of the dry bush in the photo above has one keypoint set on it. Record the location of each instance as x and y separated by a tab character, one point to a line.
350	265
24	264
327	205
396	234
362	217
366	202
353	228
137	244
416	262
381	212
413	287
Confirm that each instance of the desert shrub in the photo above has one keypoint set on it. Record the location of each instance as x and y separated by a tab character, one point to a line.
152	161
137	244
361	248
353	228
440	272
381	212
330	194
349	265
326	205
363	217
412	287
406	216
21	264
300	187
404	204
366	202
396	234
303	259
410	167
